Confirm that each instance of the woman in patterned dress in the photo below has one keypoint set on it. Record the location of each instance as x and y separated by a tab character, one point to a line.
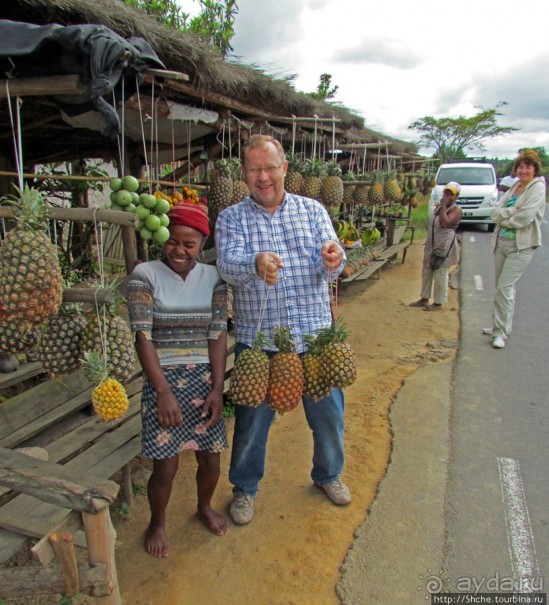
178	314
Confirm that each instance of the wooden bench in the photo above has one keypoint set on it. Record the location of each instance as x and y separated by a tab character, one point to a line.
55	417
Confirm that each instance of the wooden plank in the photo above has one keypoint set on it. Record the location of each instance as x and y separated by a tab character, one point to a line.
54	483
24	372
393	250
371	269
33	404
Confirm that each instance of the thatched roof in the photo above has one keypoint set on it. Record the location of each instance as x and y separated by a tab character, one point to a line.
225	87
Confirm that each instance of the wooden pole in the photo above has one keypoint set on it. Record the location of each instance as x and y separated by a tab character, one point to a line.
101	538
90	179
63	548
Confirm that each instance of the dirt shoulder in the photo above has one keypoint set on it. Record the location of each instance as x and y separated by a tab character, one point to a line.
292	551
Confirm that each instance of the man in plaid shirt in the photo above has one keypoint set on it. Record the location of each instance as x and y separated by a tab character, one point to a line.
279	251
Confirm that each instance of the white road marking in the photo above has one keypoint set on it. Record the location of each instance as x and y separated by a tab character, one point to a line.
479	282
520	537
472	238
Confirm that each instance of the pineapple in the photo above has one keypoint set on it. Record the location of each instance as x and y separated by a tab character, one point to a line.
60	348
360	194
314	383
348	188
294	180
111	332
250	375
331	191
220	192
337	357
391	188
286	374
375	194
240	188
17	337
109	398
314	170
31	285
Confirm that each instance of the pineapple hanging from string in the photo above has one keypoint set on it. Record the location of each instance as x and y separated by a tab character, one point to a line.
250	375
331	191
336	355
286	373
313	170
109	329
294	179
31	284
109	398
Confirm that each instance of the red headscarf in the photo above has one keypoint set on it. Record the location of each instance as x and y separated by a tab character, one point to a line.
190	215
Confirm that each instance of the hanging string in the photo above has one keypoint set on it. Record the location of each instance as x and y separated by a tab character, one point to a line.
143	140
334	293
229	138
173	154
152	128
294	127
16	132
222	140
189	131
101	312
333	138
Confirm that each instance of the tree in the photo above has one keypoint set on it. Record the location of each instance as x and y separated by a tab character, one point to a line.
214	24
452	136
323	91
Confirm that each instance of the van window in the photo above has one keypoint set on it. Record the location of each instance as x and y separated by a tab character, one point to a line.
477	175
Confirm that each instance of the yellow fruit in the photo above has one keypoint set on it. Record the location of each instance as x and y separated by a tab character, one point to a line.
110	400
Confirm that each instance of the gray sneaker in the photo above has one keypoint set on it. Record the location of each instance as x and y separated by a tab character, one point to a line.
241	508
337	492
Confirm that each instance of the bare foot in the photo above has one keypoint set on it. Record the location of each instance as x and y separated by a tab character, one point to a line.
156	541
214	522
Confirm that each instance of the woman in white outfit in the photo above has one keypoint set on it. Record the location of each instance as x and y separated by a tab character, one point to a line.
518	216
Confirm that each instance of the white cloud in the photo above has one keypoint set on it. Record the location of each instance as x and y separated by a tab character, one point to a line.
397	61
391	53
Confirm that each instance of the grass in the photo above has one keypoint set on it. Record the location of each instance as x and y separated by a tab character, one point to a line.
419	218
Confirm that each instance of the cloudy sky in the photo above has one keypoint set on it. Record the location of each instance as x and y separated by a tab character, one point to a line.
396	61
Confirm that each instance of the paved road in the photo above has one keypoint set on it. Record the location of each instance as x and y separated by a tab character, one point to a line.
497	510
464	505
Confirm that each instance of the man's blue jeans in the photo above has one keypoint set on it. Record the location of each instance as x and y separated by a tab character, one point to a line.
251	431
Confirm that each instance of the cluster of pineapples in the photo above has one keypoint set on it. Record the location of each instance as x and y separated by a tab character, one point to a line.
33	315
316	179
282	381
375	188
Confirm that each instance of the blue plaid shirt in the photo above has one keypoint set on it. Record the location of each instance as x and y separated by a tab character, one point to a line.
295	232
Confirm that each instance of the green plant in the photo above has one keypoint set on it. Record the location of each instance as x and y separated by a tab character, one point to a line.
139	490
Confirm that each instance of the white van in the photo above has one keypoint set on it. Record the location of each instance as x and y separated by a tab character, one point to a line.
479	190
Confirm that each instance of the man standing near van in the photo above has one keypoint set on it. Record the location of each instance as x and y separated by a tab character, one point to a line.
441	238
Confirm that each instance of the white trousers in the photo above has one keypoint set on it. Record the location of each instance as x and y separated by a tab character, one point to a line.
435	283
510	263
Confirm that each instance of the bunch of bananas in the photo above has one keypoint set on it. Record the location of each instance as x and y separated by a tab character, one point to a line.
370	236
186	195
346	232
